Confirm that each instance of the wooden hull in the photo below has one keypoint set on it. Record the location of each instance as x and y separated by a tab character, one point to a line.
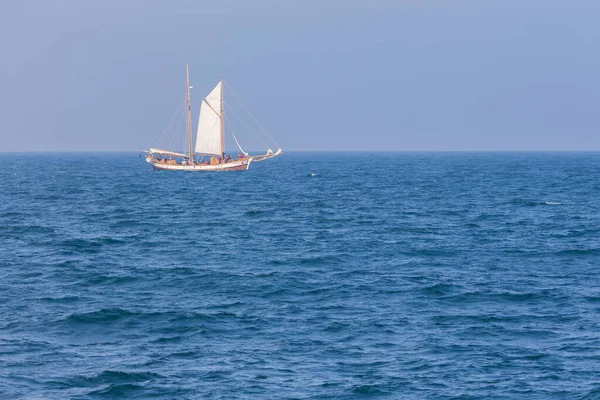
240	165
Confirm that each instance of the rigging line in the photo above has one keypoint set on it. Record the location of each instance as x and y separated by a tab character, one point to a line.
181	132
246	125
176	132
238	143
168	137
162	136
252	115
232	111
232	126
181	129
232	129
185	137
185	145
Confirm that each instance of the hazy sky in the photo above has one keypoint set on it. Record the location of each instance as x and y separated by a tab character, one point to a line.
108	75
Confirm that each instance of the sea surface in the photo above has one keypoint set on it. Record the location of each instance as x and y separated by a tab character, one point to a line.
309	276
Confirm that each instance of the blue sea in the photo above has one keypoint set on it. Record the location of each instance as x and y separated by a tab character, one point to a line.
309	276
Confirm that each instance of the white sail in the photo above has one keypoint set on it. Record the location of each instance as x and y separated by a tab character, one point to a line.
208	136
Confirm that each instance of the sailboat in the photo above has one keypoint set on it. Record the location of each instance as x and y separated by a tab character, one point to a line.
208	154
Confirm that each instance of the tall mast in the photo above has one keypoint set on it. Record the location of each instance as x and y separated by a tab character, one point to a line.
187	84
222	122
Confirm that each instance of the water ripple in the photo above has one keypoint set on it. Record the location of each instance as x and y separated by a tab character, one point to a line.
422	275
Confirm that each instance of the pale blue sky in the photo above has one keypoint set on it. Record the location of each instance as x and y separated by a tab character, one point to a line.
319	75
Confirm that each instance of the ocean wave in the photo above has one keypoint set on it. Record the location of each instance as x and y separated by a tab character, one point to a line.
100	316
112	377
579	252
428	276
120	391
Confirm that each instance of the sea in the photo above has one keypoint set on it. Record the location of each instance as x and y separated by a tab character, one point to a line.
309	276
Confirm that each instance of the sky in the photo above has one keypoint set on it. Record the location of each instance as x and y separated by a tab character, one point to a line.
327	75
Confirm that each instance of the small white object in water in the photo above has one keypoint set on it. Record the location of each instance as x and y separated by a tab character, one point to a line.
551	203
312	174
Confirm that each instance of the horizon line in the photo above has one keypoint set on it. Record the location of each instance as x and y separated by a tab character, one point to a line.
314	151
